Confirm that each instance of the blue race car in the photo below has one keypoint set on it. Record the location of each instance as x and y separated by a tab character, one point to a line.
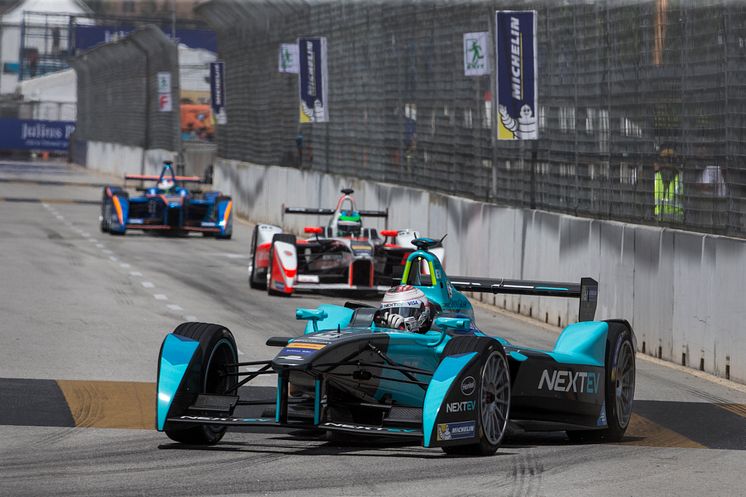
452	386
166	207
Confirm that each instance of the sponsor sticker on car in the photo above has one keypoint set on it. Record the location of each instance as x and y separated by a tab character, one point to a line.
560	380
463	406
468	385
304	345
456	431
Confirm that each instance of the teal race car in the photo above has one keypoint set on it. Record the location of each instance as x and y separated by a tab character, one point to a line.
453	386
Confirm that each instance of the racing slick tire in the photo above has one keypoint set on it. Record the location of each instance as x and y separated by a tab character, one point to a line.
493	393
106	209
218	348
619	386
254	282
279	237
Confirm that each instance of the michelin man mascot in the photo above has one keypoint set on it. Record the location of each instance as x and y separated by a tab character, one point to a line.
525	127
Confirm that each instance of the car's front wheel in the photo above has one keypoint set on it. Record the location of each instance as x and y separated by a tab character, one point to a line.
218	348
493	397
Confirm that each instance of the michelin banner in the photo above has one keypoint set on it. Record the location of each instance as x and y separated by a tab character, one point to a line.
314	96
515	47
217	91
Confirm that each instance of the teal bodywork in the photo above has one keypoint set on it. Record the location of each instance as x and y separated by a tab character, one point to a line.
435	284
582	343
331	317
447	371
176	354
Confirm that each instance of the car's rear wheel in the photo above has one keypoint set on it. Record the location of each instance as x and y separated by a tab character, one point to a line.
619	385
105	214
218	348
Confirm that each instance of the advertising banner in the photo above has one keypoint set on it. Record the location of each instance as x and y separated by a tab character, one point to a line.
476	62
312	83
89	36
288	58
28	134
217	91
515	49
164	92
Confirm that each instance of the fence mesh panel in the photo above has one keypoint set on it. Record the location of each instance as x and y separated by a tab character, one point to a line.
619	82
118	94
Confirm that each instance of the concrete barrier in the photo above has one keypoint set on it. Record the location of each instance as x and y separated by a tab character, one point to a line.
118	159
680	290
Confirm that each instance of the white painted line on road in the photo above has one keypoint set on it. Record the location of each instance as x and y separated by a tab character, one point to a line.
92	240
107	251
147	284
175	307
113	259
160	296
189	317
135	273
124	265
85	234
99	245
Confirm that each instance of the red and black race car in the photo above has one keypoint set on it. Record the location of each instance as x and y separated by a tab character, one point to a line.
341	256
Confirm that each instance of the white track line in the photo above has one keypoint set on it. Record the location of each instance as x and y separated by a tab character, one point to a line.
175	307
159	296
147	284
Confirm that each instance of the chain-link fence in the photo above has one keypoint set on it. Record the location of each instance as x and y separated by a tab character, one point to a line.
118	97
625	89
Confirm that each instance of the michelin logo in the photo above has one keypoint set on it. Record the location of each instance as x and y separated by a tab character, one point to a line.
568	381
456	431
523	128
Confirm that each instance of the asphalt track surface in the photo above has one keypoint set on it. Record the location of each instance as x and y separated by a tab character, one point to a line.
82	316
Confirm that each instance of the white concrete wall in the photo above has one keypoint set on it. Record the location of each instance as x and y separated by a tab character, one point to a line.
118	159
680	290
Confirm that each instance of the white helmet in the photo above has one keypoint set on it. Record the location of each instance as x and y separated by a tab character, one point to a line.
406	308
165	184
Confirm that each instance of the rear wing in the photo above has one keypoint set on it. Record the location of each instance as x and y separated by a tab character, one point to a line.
586	291
145	177
383	214
329	212
307	210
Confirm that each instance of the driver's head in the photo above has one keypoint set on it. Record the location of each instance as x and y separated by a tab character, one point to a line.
349	223
165	184
405	308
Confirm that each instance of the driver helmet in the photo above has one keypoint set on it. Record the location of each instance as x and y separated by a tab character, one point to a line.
405	308
166	184
349	223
